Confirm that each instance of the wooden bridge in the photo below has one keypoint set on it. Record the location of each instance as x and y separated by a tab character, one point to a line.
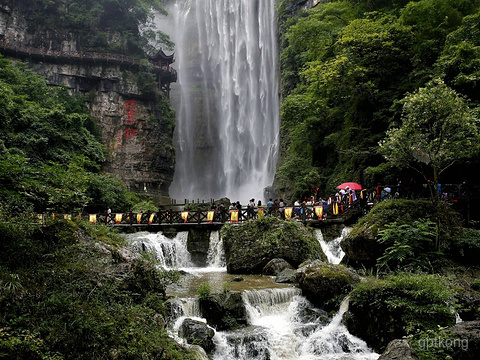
217	218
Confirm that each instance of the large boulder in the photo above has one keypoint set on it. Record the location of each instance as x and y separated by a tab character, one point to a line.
251	245
275	267
361	246
224	311
325	285
465	341
382	310
361	249
398	349
197	333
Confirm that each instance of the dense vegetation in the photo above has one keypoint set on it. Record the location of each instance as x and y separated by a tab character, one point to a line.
116	26
350	69
73	291
50	149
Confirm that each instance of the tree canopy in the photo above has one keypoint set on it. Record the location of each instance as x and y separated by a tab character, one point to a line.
437	130
118	26
347	68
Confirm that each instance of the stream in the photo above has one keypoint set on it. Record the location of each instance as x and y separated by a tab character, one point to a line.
282	324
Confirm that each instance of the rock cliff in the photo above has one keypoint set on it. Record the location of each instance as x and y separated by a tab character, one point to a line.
135	118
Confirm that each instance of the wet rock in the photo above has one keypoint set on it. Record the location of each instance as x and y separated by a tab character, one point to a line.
307	313
225	311
286	276
198	333
398	349
275	267
325	285
237	279
249	343
361	249
173	309
465	341
250	246
197	245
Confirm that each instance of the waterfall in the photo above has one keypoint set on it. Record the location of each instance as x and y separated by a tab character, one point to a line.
170	253
216	253
332	249
284	325
227	126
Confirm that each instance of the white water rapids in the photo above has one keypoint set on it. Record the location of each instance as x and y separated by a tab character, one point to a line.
227	100
283	325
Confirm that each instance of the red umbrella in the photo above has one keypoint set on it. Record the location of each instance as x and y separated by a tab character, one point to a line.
351	185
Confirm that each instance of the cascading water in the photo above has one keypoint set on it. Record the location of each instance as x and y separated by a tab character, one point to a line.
227	108
283	325
216	254
332	249
170	253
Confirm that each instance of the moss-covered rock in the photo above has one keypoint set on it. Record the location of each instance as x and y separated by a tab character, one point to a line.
325	285
251	245
224	311
361	246
275	267
382	310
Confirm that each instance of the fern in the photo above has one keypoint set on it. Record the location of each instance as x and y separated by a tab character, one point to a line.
409	247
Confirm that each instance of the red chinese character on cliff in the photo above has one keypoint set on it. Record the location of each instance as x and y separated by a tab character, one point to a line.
130	133
130	105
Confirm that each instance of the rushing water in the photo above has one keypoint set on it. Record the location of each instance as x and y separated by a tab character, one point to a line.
332	249
227	104
282	324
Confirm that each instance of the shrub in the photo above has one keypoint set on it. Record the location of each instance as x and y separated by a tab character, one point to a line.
385	309
204	290
410	246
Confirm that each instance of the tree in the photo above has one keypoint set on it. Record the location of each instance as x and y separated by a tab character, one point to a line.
438	129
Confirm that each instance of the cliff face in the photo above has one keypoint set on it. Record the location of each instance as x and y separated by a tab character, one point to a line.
136	126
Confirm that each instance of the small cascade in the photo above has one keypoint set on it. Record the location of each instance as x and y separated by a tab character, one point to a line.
216	253
332	249
182	308
265	302
284	325
335	342
171	253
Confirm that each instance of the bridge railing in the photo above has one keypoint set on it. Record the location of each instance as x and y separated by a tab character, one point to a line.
164	217
218	216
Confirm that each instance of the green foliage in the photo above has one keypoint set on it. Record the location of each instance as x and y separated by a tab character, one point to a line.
346	66
459	62
66	298
438	129
401	305
204	290
50	149
410	247
125	26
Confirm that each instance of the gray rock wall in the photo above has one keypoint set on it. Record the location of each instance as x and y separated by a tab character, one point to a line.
139	148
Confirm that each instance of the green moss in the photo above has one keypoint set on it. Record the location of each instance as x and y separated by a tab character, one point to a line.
385	309
249	246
